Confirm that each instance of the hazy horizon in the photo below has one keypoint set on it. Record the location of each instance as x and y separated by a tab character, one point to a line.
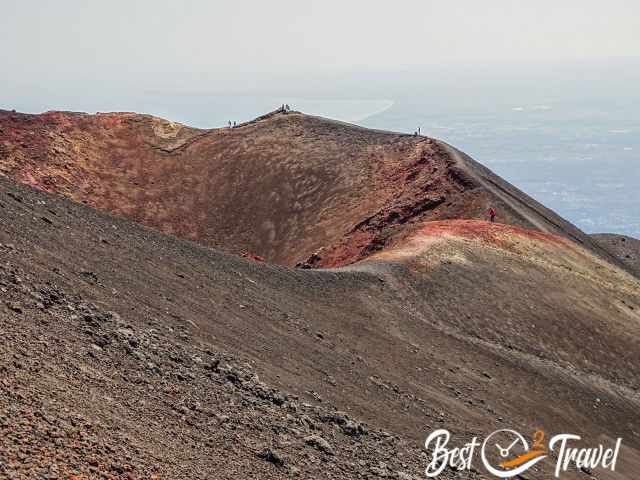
113	56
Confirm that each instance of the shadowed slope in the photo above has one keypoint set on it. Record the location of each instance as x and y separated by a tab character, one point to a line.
468	326
625	249
282	186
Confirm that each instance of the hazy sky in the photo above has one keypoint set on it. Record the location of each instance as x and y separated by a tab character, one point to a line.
156	43
470	71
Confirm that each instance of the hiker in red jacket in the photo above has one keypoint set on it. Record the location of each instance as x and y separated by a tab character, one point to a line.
492	214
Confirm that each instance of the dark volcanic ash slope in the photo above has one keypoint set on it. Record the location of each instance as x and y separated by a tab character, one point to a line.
116	359
132	353
282	186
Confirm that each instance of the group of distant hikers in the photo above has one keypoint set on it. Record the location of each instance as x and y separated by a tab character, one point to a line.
284	108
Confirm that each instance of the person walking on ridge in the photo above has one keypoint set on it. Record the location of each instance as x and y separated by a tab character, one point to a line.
492	214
